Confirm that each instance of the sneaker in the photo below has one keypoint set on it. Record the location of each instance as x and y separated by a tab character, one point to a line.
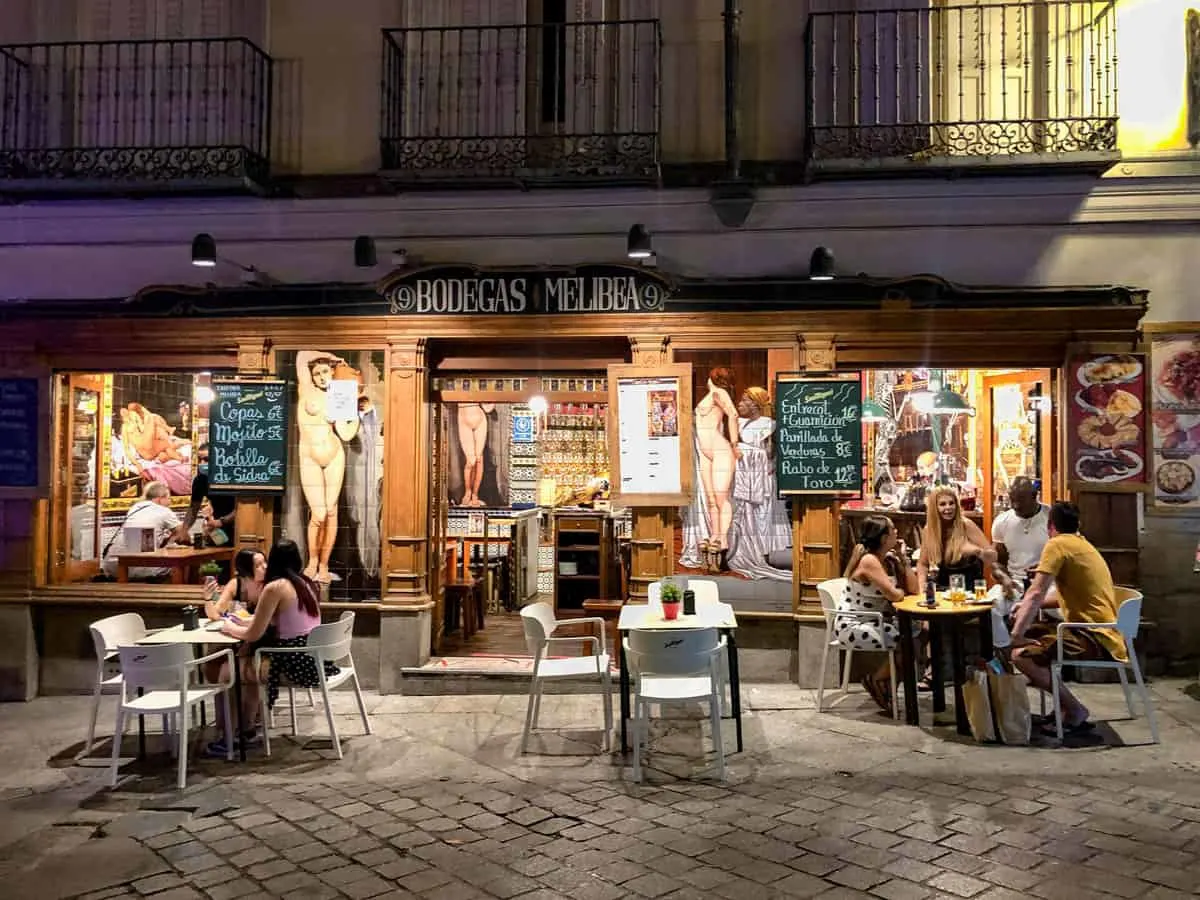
252	738
218	748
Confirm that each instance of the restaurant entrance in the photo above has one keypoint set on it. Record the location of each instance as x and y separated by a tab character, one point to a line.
519	507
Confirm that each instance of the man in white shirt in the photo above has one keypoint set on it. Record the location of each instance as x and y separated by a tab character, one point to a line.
153	511
1020	533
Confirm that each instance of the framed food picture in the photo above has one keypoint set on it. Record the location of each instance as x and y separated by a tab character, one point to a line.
1175	416
1106	419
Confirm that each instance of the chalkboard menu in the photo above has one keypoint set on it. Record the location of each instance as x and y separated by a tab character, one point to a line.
248	435
819	447
19	431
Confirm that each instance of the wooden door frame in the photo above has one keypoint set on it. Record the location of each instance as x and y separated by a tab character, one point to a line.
68	571
1046	426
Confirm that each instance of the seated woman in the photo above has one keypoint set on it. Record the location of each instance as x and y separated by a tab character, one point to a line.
878	575
951	544
287	611
240	592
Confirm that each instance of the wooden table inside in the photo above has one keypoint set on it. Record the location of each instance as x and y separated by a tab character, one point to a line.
951	615
178	559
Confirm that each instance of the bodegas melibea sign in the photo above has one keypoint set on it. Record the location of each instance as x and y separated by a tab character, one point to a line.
467	290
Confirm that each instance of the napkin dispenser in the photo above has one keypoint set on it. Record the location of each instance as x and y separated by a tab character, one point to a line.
191	618
689	603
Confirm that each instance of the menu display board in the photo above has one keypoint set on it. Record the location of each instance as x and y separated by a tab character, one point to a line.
19	431
1175	393
1106	419
652	463
819	446
248	435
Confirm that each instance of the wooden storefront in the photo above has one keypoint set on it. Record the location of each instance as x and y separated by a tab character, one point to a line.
803	326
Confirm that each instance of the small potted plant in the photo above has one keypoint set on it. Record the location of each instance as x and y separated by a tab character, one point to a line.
671	598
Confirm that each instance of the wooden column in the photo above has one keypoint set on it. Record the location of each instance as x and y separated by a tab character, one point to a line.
406	476
816	521
254	525
653	542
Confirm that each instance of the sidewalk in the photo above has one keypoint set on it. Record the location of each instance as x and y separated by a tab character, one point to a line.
438	804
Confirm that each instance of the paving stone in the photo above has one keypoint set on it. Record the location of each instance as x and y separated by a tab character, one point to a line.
232	890
652	884
959	885
899	889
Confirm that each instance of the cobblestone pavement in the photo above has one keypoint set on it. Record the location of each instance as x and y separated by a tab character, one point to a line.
438	804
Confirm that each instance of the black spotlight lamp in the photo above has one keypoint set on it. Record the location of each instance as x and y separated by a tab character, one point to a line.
637	246
364	252
204	251
820	267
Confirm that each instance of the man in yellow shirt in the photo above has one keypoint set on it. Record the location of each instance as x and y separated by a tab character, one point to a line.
1085	591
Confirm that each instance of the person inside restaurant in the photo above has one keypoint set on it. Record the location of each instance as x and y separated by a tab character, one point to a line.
153	512
218	511
878	575
1086	594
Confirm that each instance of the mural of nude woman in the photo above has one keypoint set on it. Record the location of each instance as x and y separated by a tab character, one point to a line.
716	423
322	456
472	437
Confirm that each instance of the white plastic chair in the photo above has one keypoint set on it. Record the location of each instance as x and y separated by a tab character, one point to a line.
829	592
674	666
107	635
326	643
1129	617
707	593
539	623
167	675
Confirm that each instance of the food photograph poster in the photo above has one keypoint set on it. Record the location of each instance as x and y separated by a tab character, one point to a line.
1106	418
1175	392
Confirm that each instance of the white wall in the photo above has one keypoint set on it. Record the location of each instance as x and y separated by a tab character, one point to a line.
1050	231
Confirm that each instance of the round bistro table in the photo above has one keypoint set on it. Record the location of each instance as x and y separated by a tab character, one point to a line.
951	618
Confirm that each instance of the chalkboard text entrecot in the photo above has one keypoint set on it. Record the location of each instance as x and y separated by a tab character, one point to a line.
19	432
819	447
248	435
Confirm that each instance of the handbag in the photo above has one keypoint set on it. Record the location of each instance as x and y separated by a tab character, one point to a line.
997	706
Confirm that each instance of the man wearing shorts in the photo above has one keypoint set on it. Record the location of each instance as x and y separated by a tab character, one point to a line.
1085	589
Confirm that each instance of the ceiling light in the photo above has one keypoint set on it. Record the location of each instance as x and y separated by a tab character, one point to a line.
538	405
873	411
637	245
364	252
820	266
204	395
204	251
950	403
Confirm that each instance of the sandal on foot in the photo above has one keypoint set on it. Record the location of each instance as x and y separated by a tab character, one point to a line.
1049	729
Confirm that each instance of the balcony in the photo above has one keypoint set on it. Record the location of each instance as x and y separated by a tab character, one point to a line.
134	116
523	104
958	88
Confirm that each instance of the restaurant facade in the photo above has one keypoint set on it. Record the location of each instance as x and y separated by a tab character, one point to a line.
482	423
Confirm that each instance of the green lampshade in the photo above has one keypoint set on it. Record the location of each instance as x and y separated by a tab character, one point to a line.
874	412
948	402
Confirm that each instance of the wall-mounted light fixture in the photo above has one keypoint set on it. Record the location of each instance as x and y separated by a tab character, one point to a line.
364	252
204	255
638	245
820	266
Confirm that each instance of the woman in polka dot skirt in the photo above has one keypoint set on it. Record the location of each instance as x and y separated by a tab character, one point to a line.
286	613
878	575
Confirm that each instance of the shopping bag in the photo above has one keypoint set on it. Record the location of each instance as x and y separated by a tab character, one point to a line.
977	700
1010	707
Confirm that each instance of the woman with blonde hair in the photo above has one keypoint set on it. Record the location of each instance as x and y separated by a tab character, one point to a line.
951	544
877	576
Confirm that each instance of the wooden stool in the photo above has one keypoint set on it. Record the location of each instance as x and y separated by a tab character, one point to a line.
609	611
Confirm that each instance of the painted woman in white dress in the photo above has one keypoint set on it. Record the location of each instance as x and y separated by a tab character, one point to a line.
760	523
878	575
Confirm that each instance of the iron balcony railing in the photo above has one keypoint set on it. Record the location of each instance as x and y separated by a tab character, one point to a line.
122	112
961	85
528	102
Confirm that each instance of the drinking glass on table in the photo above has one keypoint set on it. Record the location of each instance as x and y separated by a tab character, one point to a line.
958	588
981	590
